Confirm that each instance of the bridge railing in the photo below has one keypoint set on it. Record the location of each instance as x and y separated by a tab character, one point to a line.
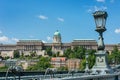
95	77
115	76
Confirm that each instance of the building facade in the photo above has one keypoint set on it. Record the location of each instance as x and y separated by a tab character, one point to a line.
58	62
37	46
73	64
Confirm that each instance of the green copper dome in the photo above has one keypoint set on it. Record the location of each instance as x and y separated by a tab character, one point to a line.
57	33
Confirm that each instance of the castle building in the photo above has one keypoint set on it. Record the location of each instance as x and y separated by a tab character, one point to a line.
27	46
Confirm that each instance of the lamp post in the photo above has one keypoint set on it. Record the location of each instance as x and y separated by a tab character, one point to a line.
101	63
100	20
87	68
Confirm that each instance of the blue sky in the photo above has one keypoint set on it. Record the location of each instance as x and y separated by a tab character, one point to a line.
39	19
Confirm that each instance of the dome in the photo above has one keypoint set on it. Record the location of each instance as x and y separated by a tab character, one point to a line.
57	33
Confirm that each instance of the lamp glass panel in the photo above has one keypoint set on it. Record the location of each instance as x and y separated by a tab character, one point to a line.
104	22
99	21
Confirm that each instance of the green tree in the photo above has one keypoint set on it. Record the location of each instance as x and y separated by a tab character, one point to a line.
72	55
115	56
111	59
3	69
7	57
76	52
58	54
79	52
54	55
82	64
33	54
32	68
91	58
16	54
49	51
42	64
68	52
22	56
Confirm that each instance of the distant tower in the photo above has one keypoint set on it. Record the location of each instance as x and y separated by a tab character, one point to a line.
57	37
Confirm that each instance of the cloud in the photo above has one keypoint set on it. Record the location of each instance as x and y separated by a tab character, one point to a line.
100	0
89	10
100	8
49	38
44	41
117	31
96	8
4	39
15	39
42	17
60	19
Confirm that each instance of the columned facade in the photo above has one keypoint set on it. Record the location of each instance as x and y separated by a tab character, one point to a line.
27	46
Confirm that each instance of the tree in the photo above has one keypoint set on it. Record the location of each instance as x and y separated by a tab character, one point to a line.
111	59
115	56
22	56
67	52
3	69
49	51
82	64
58	54
76	52
7	57
72	55
54	55
42	64
91	58
33	54
79	52
16	54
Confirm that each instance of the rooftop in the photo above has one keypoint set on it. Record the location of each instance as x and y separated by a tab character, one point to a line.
85	40
27	40
57	33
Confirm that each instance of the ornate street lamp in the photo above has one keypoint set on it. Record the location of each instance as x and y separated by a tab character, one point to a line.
100	20
101	65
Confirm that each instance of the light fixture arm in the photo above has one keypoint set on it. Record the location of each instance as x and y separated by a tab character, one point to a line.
101	45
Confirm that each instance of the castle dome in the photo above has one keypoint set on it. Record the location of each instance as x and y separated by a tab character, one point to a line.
57	33
57	37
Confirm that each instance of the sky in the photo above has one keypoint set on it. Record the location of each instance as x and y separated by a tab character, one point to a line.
39	19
